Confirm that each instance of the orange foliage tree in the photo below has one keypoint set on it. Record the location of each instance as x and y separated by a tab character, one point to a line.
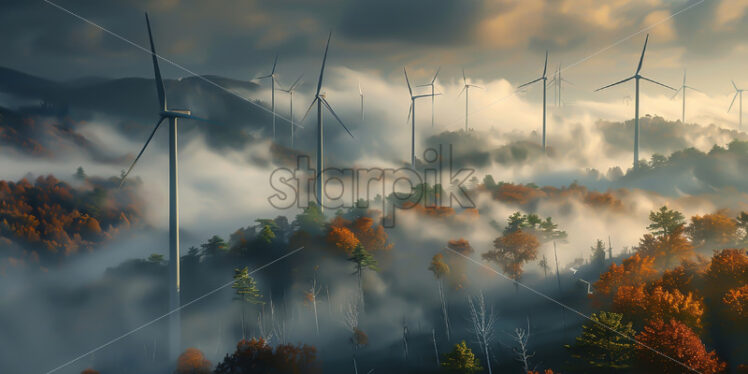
736	300
372	236
342	238
512	250
641	303
633	271
716	228
193	361
256	356
668	248
675	341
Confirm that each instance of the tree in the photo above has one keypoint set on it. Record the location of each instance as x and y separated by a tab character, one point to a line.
521	338
193	361
598	254
674	341
461	360
343	239
717	228
512	250
246	290
155	258
543	263
667	248
441	270
214	247
483	323
603	342
363	260
633	271
665	220
89	371
266	235
358	338
641	303
80	174
256	356
311	220
372	237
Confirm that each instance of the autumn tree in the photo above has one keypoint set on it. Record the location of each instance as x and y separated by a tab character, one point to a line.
363	260
372	236
512	250
246	290
461	360
665	220
256	356
668	248
603	342
441	271
342	238
672	347
458	277
717	228
633	271
641	303
193	361
736	302
89	371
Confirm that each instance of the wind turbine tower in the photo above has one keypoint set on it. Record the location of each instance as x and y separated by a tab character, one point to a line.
544	79
637	77
272	77
432	94
174	275
361	93
683	88
319	99
738	92
412	117
290	91
466	89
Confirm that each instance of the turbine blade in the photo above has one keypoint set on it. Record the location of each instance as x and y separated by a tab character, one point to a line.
684	77
295	83
545	66
275	62
550	82
733	101
407	81
124	176
733	84
613	84
309	109
676	92
695	89
410	111
428	95
641	59
464	79
337	118
462	90
565	81
531	82
196	118
324	60
265	76
655	82
436	75
156	70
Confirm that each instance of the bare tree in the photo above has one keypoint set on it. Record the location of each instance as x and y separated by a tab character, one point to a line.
436	350
521	338
483	322
312	297
358	338
405	340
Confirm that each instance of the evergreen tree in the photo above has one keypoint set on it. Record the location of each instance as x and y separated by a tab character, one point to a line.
605	347
598	254
311	220
665	221
80	174
363	260
214	247
246	290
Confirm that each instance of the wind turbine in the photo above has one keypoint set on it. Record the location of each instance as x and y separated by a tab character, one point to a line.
412	117
290	91
637	77
272	77
683	88
557	82
319	98
466	89
738	91
361	93
543	78
432	93
174	275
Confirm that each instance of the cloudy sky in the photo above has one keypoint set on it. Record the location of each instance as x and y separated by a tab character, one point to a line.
491	39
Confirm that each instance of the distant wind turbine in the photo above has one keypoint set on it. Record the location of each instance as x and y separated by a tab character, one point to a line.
466	89
319	98
543	78
557	82
637	77
361	93
432	93
412	117
738	92
683	88
272	77
290	91
174	275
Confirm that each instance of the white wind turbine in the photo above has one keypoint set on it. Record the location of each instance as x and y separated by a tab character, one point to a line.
319	98
290	91
361	93
637	77
412	117
683	88
174	274
272	77
544	79
557	82
738	92
466	88
433	80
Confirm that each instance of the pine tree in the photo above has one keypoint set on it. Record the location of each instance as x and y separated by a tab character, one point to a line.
461	360
665	221
246	291
602	343
598	254
363	260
